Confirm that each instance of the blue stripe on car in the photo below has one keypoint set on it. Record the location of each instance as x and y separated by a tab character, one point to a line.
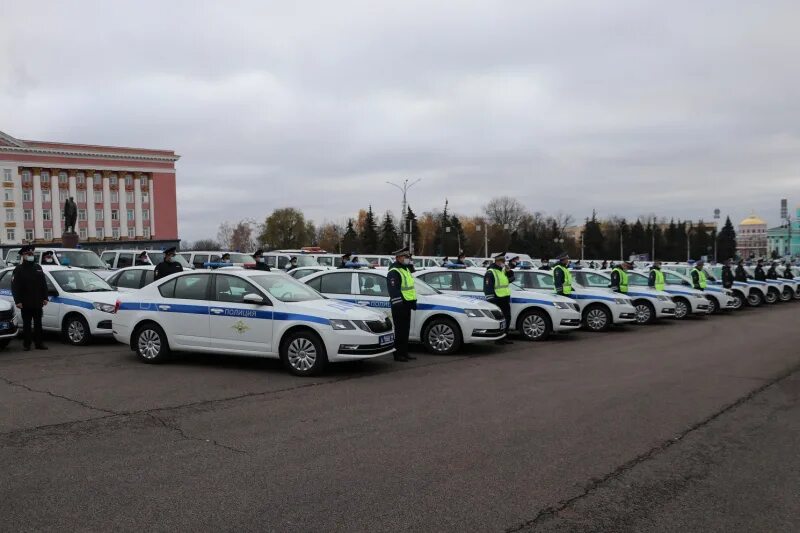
516	300
227	311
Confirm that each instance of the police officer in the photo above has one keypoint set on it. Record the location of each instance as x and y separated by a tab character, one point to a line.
619	277
759	273
168	266
699	281
562	277
48	259
497	291
512	264
787	271
545	264
292	264
727	274
226	258
460	260
604	265
656	277
29	288
403	298
345	260
772	273
261	262
740	274
142	259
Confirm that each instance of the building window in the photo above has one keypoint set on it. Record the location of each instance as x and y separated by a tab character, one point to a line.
45	175
45	195
28	234
9	215
114	197
7	174
62	195
98	215
145	214
98	197
26	176
99	232
81	214
63	178
46	214
143	181
26	195
146	233
128	180
115	214
145	198
48	234
97	178
10	236
115	233
131	233
27	214
82	233
81	178
82	196
8	195
129	197
130	214
112	180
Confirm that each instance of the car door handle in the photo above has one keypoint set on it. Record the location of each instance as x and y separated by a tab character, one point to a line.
164	307
217	310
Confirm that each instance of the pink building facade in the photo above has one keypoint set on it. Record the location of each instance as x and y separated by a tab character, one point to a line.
123	195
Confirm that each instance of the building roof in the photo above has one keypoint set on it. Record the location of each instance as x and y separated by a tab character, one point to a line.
752	220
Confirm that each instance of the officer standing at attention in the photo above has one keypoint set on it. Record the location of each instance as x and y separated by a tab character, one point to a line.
168	266
772	273
546	264
460	260
48	259
403	298
261	262
292	264
345	260
562	277
656	278
604	265
619	277
699	281
497	291
787	271
29	288
740	274
759	273
727	274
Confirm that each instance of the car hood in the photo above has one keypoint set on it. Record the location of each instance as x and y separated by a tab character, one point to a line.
596	292
538	296
461	302
332	309
644	291
681	289
108	297
5	305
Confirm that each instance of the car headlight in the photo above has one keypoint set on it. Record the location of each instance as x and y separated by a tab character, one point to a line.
488	313
729	292
664	299
473	313
106	308
700	296
561	305
342	324
621	301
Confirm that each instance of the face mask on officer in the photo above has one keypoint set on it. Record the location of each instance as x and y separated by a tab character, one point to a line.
260	259
29	258
406	261
169	259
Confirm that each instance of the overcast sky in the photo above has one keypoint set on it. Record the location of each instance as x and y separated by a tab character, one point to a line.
627	107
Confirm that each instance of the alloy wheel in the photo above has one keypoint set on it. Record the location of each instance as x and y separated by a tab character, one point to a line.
149	344
302	354
534	326
681	309
441	337
76	332
643	313
596	319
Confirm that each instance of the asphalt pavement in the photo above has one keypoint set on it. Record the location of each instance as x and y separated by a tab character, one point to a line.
679	426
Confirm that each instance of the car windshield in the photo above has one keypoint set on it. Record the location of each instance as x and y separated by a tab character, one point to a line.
12	257
306	261
81	259
241	258
286	289
72	280
424	289
637	279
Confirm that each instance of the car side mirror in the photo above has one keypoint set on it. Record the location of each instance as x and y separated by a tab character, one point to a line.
254	299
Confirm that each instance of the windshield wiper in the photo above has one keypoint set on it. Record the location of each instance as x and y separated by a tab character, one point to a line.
100	290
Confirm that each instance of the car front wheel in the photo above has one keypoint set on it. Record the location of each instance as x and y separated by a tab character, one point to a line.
76	330
442	336
645	313
150	344
597	318
786	295
681	308
303	353
535	325
755	298
738	300
713	305
772	296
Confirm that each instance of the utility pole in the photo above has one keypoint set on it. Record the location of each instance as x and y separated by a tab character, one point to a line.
716	232
405	225
653	238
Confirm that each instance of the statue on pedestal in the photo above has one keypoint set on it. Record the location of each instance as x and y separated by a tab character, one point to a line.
70	215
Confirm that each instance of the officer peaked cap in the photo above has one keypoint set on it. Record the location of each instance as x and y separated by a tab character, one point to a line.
402	251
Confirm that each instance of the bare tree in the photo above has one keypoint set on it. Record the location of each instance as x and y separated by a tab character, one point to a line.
204	244
505	210
224	235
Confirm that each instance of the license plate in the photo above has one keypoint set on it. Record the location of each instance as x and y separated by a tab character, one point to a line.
501	324
386	339
5	325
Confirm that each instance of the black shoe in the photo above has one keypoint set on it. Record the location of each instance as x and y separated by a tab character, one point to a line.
401	359
26	348
411	358
41	347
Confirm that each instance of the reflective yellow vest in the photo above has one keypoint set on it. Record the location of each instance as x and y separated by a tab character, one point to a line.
500	283
659	279
406	284
623	280
701	279
567	288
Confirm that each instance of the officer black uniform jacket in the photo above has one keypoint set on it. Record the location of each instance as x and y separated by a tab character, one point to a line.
740	275
488	280
787	273
28	285
651	279
558	280
395	282
696	279
772	273
759	274
166	268
261	266
727	277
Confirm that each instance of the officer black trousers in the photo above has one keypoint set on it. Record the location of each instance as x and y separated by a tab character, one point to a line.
401	317
504	304
34	316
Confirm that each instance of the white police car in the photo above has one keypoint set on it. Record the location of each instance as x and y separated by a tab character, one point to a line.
600	308
132	278
534	316
441	323
650	304
688	301
301	272
775	289
719	298
248	312
81	303
751	292
8	326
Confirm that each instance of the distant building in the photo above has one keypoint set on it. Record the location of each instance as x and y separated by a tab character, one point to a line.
784	240
751	238
124	195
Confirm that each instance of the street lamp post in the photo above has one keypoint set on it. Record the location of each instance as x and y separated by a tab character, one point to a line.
559	241
407	239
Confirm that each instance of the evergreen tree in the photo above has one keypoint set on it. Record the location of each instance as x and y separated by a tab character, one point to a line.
593	241
625	237
459	240
389	239
726	241
411	222
639	243
700	242
369	236
440	238
350	238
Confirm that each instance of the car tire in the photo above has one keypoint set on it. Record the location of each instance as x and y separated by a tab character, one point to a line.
645	312
596	318
713	305
772	296
755	298
442	336
534	325
303	353
682	308
76	330
787	295
150	343
4	343
738	300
